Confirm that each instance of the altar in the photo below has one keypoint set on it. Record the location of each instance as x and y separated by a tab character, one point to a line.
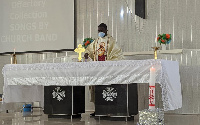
98	73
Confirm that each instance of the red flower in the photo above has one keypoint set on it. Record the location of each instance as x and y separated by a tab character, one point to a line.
167	36
158	38
86	43
163	41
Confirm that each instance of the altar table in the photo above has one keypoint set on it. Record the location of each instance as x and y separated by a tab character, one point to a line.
99	73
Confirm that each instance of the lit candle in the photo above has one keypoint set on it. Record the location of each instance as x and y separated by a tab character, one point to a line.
152	88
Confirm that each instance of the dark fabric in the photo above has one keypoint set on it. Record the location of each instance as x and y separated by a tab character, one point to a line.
102	58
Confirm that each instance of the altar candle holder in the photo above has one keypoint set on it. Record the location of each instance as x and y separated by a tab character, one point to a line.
155	52
14	59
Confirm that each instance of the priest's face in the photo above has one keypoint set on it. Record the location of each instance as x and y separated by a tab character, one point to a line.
102	29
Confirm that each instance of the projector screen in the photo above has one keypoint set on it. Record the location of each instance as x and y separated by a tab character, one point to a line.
36	25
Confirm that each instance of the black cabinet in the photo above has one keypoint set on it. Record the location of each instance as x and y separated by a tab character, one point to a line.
68	100
116	100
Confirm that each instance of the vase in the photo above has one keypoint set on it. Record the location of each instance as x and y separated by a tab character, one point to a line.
163	46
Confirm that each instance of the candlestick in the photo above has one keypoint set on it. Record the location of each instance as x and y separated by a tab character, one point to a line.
14	59
155	52
152	88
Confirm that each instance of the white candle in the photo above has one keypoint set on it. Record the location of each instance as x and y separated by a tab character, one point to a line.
154	44
152	88
156	41
11	62
152	76
14	50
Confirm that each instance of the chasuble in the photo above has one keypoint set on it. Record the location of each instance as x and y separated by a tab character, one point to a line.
104	49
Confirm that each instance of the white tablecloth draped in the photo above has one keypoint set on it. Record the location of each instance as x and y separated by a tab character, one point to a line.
99	73
24	93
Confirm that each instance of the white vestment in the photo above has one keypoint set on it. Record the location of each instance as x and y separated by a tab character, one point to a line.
109	49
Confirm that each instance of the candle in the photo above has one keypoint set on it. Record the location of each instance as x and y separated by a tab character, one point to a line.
14	50
11	62
152	76
154	44
152	88
156	41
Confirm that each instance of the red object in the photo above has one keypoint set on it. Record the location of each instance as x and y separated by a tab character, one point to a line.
158	38
87	42
151	96
163	41
167	36
102	58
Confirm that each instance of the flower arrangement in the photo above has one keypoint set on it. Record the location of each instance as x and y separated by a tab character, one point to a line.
164	38
86	42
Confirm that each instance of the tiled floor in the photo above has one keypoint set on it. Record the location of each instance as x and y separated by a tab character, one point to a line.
16	118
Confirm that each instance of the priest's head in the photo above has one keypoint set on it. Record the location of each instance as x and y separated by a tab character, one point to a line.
102	30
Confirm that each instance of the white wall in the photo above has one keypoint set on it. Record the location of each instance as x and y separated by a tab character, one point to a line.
180	18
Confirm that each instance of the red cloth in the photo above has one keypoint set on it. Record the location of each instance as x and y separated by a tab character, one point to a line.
102	58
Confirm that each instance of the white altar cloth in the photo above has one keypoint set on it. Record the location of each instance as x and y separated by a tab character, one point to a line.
99	73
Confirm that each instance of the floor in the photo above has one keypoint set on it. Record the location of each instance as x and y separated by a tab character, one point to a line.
38	118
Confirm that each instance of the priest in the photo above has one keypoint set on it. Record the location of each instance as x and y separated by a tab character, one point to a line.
104	47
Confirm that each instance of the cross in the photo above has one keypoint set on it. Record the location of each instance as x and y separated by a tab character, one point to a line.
79	50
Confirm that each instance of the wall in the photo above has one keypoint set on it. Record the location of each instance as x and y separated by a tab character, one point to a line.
179	17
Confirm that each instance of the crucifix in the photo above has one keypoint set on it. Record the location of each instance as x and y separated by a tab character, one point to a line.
79	50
